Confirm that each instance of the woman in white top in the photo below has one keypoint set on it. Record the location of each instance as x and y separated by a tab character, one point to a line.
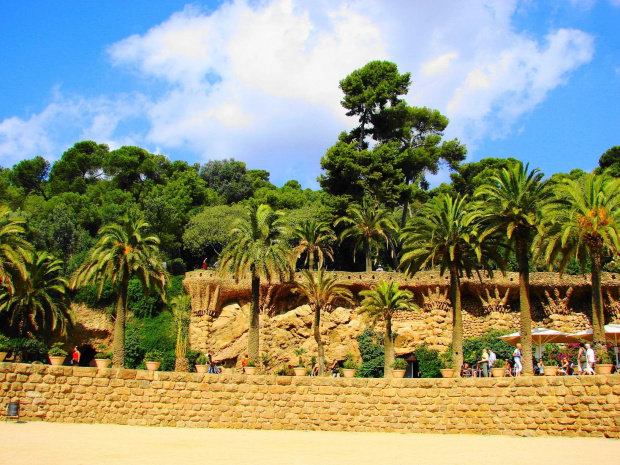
516	355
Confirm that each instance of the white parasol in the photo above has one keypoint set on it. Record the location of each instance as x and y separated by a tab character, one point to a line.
541	336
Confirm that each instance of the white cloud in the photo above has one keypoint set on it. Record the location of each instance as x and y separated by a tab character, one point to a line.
438	65
258	81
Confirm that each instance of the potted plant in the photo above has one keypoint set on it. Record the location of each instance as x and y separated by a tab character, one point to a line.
349	367
399	367
448	368
102	357
603	364
499	367
300	369
251	368
5	347
57	354
201	364
153	360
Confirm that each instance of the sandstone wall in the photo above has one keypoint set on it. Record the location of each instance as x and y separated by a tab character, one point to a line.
220	308
581	406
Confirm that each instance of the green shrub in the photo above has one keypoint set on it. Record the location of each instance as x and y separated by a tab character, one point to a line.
168	361
551	355
29	350
57	350
142	306
89	295
176	267
251	363
154	356
373	354
472	346
429	361
4	344
175	287
349	362
201	360
103	355
399	364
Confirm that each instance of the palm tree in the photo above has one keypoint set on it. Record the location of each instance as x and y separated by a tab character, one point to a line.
122	252
256	250
322	292
15	251
314	239
380	304
445	234
583	224
40	305
513	203
368	225
181	307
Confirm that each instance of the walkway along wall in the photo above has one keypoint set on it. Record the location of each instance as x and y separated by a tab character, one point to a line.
582	406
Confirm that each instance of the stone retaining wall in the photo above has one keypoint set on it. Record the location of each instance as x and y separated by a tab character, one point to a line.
581	406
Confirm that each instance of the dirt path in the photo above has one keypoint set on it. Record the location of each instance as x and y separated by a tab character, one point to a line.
57	443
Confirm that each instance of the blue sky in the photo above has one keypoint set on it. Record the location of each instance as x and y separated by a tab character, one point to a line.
258	80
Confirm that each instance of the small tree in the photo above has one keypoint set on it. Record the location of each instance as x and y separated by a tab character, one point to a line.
181	309
380	304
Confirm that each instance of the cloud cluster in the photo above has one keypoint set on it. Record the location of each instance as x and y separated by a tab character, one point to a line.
259	81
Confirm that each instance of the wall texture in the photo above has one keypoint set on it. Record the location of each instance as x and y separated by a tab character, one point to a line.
582	406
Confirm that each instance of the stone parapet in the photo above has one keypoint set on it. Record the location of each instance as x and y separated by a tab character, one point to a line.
574	406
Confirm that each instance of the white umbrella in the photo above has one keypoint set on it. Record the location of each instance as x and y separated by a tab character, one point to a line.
541	336
612	334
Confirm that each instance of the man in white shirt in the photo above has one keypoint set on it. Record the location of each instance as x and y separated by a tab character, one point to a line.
492	359
590	360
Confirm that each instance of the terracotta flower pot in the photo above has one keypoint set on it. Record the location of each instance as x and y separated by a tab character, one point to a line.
348	372
550	371
447	372
57	359
152	366
2	356
251	370
497	372
603	368
202	368
398	373
102	362
299	371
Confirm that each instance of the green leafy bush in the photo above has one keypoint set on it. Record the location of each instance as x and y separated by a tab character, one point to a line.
472	346
150	334
89	295
103	355
29	350
154	356
372	352
142	306
176	267
429	361
4	344
201	360
399	364
57	350
349	362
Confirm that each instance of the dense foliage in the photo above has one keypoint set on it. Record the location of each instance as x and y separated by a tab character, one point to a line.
107	228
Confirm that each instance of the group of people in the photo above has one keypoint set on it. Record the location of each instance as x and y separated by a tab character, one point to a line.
586	359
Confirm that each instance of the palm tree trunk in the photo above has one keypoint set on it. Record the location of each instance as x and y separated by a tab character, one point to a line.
316	329
388	343
457	320
525	305
598	316
367	251
253	332
310	260
118	355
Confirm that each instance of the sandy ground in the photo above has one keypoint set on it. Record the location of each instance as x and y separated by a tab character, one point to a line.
58	443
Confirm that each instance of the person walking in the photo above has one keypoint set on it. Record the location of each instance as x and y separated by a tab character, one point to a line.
244	362
590	360
516	355
335	369
581	358
484	363
75	357
492	359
